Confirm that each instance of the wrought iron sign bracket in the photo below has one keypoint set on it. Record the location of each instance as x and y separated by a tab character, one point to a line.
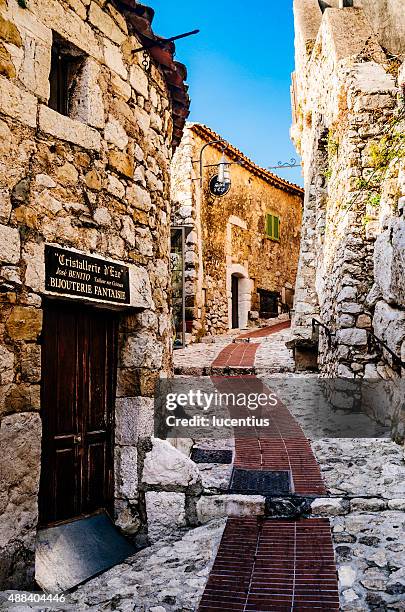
163	42
291	164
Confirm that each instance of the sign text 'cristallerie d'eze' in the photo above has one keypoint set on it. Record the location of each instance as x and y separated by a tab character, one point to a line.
84	276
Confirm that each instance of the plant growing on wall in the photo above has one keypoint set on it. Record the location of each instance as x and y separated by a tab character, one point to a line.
383	152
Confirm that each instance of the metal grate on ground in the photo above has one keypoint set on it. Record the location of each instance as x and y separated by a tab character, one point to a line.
260	482
273	565
280	446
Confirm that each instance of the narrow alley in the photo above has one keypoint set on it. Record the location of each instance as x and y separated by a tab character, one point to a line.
202	306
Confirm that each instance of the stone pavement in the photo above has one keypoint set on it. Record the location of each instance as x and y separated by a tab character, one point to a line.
363	501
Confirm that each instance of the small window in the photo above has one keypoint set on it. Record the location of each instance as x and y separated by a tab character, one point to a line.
65	64
273	227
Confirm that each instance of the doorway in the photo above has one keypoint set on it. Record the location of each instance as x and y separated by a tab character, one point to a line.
79	362
235	302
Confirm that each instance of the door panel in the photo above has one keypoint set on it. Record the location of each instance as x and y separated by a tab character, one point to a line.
78	391
235	302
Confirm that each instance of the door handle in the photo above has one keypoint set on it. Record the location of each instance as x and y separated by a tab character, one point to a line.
77	439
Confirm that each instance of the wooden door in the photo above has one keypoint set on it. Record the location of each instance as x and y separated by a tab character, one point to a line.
79	358
235	302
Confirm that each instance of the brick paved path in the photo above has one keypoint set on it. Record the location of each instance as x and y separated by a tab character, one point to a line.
272	565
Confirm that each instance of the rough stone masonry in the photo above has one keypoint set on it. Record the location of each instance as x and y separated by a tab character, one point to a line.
94	179
349	119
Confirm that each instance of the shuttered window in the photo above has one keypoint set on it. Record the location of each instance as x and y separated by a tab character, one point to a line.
273	227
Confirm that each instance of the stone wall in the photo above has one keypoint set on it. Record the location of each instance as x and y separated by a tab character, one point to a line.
349	117
227	234
96	181
386	18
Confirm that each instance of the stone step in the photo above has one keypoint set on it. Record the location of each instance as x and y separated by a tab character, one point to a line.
218	506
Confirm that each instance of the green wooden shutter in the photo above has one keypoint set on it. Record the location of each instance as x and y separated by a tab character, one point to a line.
273	227
276	228
269	225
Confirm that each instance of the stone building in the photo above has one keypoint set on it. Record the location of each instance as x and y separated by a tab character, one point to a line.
241	249
349	123
88	126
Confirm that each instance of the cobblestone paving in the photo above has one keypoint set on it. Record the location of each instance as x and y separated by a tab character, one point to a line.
171	575
365	479
272	355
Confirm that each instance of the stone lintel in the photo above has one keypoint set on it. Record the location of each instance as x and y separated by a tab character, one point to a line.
62	127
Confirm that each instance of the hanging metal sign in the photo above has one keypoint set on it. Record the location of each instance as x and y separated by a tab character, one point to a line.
217	188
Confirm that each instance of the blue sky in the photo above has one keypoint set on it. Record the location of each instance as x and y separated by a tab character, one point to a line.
239	69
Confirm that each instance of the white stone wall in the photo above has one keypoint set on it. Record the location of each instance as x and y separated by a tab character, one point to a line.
346	100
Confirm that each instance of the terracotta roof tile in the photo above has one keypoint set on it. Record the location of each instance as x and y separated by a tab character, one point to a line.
208	134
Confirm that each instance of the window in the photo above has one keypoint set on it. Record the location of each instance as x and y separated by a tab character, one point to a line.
273	227
65	64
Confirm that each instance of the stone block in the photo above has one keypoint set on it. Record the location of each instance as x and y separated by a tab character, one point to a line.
142	119
9	244
114	59
103	22
20	462
166	466
139	198
139	81
87	104
329	506
142	351
121	163
347	576
115	133
141	292
217	506
165	513
31	363
34	257
102	217
18	104
367	505
7	67
29	25
69	25
389	262
35	67
352	337
68	129
22	398
126	471
373	102
347	294
24	323
6	366
120	87
115	187
396	504
9	32
128	419
389	325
